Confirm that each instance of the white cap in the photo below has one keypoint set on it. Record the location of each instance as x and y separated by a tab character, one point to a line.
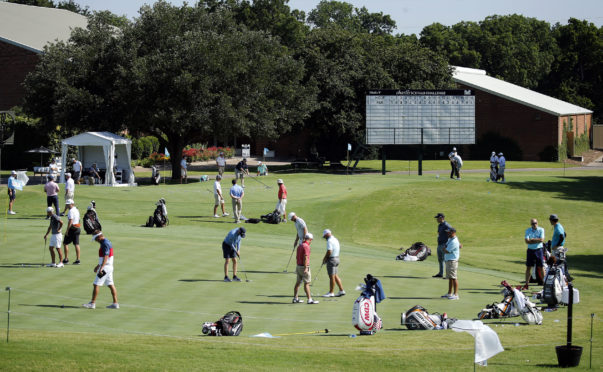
291	215
259	162
50	209
454	149
97	235
309	236
13	172
69	201
279	181
493	152
67	174
327	231
500	153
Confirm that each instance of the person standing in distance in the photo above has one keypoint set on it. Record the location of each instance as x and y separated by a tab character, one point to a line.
300	226
451	255
493	167
240	170
331	258
221	163
231	247
12	191
56	238
219	199
458	164
303	270
183	166
77	170
52	194
69	190
558	239
104	271
502	163
73	232
281	205
451	155
442	240
237	193
534	237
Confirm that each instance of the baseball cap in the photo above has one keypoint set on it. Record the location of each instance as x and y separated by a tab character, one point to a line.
291	215
309	236
69	201
327	231
451	229
50	209
500	154
279	181
13	172
259	162
97	235
68	174
439	215
553	217
454	149
493	152
242	231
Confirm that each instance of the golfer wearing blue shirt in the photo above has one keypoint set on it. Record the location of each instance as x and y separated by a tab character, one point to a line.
230	249
452	254
12	191
558	240
236	193
534	238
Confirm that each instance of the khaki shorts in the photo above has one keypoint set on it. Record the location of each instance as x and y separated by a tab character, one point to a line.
301	276
69	195
56	240
218	200
451	269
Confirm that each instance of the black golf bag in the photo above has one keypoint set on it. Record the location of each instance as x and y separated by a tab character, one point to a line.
364	316
416	252
514	303
554	282
417	318
230	324
159	217
91	222
273	218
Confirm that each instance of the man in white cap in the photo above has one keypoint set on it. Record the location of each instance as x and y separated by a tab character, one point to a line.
77	170
12	191
221	163
69	190
281	205
262	169
303	270
331	258
502	163
493	166
218	197
300	226
104	271
73	232
451	156
56	238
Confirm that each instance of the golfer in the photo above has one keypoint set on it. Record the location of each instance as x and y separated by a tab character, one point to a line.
56	238
502	163
237	193
300	226
104	271
183	166
240	170
230	250
442	239
221	163
12	191
331	258
558	239
453	170
73	232
451	255
77	170
534	237
493	166
219	199
69	190
281	205
303	270
52	193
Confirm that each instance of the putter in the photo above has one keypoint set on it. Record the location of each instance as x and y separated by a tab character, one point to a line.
242	269
44	254
304	333
316	276
286	268
254	178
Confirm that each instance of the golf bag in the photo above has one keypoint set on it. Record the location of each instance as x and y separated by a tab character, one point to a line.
417	318
364	314
91	222
546	254
155	176
416	252
554	283
514	303
230	324
253	220
159	217
273	218
493	172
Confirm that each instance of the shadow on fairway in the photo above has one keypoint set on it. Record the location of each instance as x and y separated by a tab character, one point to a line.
21	266
414	298
593	263
54	306
404	277
199	280
262	272
264	302
481	290
569	188
27	218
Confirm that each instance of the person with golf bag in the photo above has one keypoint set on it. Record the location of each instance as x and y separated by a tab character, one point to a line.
303	270
534	237
73	232
56	238
219	199
231	247
331	258
104	271
442	239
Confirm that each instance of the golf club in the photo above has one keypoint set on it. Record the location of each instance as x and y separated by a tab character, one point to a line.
304	333
254	178
316	276
44	253
286	268
242	269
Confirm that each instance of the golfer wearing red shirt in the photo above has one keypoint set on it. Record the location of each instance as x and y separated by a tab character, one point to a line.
281	205
303	270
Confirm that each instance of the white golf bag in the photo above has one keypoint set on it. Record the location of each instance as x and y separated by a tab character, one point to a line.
364	316
417	318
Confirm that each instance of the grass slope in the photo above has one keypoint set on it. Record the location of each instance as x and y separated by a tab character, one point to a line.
170	280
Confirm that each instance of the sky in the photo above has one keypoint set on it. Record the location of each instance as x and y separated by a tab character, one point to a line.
412	15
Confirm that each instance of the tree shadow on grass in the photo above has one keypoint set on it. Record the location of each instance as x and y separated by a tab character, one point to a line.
585	262
570	188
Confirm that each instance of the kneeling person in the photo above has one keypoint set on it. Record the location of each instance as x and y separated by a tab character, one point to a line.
104	271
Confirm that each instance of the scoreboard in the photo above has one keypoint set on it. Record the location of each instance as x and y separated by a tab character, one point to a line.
431	117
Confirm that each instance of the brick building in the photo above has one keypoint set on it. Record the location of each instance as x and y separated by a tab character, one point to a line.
534	121
24	31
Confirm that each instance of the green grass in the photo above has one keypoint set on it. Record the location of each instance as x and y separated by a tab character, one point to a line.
444	165
169	280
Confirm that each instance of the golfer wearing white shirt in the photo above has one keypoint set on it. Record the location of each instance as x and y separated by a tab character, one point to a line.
331	258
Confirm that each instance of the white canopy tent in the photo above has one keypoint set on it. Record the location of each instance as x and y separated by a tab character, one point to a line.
105	149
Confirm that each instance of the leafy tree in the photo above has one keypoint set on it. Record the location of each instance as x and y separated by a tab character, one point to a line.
344	15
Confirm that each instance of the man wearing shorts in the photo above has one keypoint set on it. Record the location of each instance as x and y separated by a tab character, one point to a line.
56	238
219	199
241	170
104	271
52	194
281	205
230	250
451	256
534	237
331	258
300	226
303	270
12	191
73	232
69	189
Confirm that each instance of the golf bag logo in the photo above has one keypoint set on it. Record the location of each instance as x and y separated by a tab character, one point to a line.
367	318
363	317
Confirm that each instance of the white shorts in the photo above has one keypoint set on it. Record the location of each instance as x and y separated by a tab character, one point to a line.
69	195
107	279
56	240
281	206
218	200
